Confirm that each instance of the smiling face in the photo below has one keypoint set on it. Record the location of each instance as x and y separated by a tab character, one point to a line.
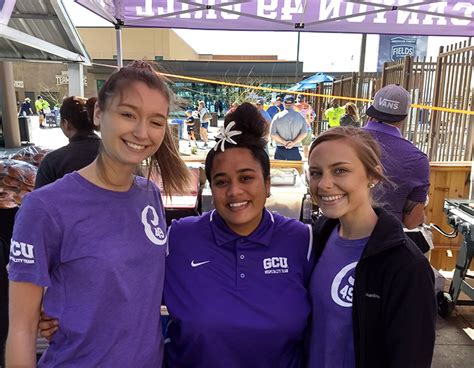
239	189
132	125
339	181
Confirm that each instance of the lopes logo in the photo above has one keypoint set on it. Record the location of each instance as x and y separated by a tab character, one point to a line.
152	230
21	252
343	286
389	104
275	265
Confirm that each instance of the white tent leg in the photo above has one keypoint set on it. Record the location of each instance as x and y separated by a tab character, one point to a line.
75	72
118	39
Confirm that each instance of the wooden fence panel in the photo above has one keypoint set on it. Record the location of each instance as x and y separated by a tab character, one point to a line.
452	136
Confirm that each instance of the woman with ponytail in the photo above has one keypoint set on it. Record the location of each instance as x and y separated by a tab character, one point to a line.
77	124
89	249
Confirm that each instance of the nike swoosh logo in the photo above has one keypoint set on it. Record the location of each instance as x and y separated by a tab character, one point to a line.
197	264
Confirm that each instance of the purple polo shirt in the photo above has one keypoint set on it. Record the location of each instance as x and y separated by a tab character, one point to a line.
237	301
405	165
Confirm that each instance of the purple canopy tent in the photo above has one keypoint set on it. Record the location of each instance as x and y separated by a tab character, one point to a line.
401	17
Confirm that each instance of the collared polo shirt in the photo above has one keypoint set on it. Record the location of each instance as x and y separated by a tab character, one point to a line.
405	166
237	301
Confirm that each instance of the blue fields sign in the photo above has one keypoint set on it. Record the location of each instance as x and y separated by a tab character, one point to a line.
393	48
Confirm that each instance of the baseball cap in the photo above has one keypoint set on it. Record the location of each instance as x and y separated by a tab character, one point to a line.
391	104
260	102
289	99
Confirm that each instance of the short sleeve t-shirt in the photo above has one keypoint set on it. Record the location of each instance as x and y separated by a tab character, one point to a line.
237	301
101	255
331	289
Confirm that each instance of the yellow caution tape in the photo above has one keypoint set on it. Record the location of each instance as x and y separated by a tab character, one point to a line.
423	107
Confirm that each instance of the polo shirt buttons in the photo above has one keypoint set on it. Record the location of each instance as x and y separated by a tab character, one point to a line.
243	240
242	275
242	256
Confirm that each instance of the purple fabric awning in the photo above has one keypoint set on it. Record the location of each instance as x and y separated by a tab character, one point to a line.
6	8
401	17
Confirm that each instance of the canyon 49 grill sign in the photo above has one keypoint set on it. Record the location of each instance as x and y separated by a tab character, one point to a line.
399	17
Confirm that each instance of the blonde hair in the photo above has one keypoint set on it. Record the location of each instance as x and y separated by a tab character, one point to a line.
352	110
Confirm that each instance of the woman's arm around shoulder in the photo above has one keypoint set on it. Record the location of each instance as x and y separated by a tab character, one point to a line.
24	310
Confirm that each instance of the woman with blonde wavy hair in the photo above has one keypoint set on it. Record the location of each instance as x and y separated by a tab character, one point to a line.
351	116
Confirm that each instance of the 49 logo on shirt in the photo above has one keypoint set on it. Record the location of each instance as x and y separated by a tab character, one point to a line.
275	265
342	287
151	224
21	252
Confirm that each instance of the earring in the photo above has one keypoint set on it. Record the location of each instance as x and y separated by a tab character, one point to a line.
371	185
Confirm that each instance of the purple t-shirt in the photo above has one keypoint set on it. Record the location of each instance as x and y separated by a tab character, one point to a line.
101	255
404	164
331	288
237	301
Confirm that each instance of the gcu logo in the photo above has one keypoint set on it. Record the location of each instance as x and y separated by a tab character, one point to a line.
152	229
390	104
275	265
21	252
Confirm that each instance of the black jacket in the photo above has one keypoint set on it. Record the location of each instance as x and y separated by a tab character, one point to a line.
394	308
80	152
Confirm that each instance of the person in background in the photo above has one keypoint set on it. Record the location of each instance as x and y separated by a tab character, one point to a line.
232	107
307	112
351	116
372	290
260	106
42	108
237	297
205	117
272	110
333	113
90	248
78	126
301	105
288	130
407	168
190	127
25	108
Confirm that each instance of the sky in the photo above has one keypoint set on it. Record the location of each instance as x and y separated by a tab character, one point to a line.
319	52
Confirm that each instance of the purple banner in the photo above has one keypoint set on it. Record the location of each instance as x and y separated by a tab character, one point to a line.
443	18
6	8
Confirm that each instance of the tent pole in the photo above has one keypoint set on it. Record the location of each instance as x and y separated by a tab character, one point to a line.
118	39
361	64
11	128
297	57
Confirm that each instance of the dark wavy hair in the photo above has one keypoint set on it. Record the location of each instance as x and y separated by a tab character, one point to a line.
76	111
253	126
